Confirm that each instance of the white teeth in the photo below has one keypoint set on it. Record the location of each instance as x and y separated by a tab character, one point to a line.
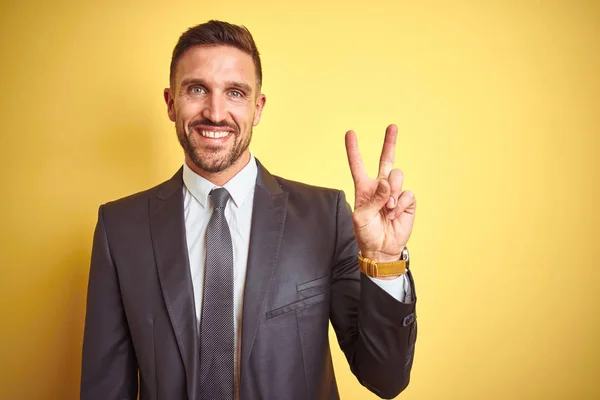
212	134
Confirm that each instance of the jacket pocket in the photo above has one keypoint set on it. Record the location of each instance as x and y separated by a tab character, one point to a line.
297	304
314	283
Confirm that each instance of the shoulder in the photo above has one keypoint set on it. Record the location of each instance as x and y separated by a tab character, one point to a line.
138	203
314	196
299	193
297	187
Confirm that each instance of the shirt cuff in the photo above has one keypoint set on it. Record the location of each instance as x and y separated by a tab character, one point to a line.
398	288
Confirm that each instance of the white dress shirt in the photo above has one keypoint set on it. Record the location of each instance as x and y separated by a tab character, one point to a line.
238	213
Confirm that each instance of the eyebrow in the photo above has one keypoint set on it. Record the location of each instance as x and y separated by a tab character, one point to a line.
230	84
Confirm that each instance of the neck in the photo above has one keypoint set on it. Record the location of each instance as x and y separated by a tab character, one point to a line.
222	177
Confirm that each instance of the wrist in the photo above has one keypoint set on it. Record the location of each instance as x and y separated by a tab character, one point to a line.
381	257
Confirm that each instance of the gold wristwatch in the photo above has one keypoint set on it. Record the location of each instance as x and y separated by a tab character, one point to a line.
377	269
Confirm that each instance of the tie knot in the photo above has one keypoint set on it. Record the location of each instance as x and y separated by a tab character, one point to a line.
219	197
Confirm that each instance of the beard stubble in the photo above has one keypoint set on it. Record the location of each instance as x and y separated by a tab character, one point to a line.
210	163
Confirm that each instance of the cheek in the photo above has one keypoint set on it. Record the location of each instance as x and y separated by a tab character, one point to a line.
243	117
186	110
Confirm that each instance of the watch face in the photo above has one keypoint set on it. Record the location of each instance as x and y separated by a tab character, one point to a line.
405	256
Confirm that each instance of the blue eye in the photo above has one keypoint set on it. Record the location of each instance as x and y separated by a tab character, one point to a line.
235	93
196	90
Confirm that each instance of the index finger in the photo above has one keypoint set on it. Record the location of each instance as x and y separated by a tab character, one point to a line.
386	161
357	168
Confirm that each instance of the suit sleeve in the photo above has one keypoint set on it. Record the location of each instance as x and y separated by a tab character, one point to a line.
376	332
109	368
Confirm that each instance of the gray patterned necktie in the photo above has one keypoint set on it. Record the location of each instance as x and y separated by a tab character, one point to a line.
217	349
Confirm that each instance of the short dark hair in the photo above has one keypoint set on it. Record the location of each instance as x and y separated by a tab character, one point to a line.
217	33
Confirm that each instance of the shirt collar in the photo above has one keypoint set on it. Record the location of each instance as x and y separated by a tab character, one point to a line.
238	187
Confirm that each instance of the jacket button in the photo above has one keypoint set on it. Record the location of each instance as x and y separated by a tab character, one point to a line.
409	319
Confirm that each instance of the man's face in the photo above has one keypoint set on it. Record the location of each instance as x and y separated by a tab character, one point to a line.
214	102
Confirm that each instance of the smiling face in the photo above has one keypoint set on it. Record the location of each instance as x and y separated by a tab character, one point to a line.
215	101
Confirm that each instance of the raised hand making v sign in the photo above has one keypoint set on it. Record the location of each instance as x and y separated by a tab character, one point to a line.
383	213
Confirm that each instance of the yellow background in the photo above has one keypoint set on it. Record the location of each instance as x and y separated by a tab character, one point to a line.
498	106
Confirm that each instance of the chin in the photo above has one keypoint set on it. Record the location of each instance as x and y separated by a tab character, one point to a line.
211	164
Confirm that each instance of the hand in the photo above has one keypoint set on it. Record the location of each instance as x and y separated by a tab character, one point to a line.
383	214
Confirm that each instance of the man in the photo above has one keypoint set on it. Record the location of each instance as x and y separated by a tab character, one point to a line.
219	283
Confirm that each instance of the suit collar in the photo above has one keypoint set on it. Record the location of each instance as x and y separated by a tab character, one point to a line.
268	221
167	226
267	181
169	188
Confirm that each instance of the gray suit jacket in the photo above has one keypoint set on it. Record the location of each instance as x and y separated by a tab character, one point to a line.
140	326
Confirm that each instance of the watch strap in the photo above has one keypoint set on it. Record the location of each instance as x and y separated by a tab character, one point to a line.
377	269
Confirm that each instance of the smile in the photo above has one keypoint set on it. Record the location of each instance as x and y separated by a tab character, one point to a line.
212	134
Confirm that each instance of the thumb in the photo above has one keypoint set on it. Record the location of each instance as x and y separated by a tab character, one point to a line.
377	200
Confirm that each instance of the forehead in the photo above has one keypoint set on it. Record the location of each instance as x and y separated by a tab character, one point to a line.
216	64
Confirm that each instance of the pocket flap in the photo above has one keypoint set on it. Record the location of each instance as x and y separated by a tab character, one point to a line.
315	282
296	305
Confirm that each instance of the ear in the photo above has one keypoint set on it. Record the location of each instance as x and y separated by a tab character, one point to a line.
170	104
260	104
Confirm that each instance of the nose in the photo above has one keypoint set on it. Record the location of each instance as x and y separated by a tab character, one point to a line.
215	108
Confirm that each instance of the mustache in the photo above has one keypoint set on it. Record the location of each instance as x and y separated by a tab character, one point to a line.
208	122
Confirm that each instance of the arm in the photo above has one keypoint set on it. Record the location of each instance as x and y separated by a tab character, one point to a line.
376	332
109	368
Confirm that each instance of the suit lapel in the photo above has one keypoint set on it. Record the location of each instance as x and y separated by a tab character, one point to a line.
268	219
167	226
